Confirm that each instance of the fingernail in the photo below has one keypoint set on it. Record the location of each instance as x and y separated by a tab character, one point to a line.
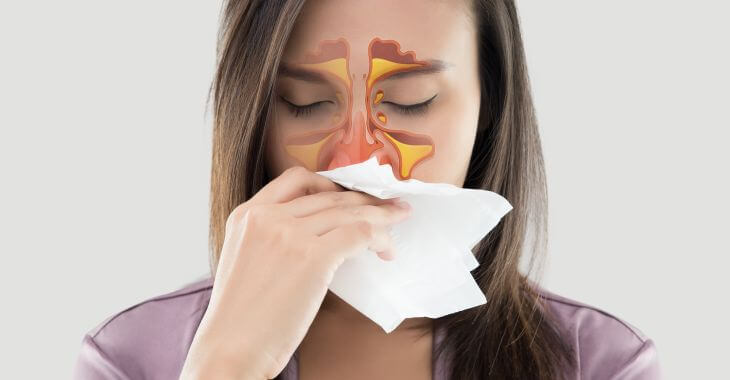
387	255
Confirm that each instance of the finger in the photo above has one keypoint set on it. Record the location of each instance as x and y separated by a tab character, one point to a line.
311	204
323	222
293	183
352	239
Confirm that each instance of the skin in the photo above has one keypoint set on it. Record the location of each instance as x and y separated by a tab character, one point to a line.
352	122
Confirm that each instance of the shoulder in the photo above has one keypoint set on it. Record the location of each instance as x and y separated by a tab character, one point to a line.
607	347
149	339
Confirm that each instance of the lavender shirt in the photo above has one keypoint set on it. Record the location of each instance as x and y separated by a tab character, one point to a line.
150	340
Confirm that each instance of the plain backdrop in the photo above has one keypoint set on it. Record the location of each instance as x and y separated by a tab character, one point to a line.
105	158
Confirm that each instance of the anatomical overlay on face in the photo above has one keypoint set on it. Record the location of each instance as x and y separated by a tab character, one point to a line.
358	128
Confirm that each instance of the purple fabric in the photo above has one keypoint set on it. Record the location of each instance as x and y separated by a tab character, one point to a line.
150	340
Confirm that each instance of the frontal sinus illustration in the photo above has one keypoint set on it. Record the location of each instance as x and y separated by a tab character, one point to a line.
355	133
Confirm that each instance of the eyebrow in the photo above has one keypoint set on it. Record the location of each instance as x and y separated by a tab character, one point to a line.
291	71
433	66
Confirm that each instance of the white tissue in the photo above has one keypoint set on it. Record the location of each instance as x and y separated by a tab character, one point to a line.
430	275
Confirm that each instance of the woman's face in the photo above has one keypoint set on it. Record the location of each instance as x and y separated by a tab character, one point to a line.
397	80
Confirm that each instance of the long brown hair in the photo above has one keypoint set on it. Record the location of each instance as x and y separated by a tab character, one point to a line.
512	336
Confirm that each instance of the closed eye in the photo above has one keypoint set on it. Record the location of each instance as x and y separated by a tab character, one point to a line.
412	109
302	110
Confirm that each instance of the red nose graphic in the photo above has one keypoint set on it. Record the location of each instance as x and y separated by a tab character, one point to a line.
356	145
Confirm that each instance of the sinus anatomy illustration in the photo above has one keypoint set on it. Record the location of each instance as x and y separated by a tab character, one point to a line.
356	133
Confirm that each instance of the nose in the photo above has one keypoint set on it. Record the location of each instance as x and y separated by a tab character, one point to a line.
357	143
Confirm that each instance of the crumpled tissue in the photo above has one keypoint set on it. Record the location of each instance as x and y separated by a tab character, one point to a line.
430	275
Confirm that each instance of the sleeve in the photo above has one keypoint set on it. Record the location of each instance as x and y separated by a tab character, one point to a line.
643	365
94	364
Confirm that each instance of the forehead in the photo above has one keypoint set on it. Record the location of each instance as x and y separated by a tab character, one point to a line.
431	28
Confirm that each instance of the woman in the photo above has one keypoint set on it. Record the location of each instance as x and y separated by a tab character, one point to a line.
438	90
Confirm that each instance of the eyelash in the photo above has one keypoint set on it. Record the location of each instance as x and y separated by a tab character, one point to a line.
413	109
409	110
305	110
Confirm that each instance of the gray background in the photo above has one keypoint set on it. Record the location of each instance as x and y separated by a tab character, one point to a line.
105	153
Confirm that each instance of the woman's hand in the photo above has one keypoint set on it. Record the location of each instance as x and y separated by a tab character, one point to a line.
280	253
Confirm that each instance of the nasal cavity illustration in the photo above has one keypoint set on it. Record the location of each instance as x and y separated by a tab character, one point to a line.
355	133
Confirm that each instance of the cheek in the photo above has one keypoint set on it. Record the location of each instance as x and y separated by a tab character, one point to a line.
277	160
453	132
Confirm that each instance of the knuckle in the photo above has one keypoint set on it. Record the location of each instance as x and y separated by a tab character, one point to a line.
235	216
268	225
296	171
366	229
255	215
355	211
335	198
365	210
372	209
284	233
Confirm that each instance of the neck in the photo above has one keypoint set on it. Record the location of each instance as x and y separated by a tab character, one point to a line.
336	308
